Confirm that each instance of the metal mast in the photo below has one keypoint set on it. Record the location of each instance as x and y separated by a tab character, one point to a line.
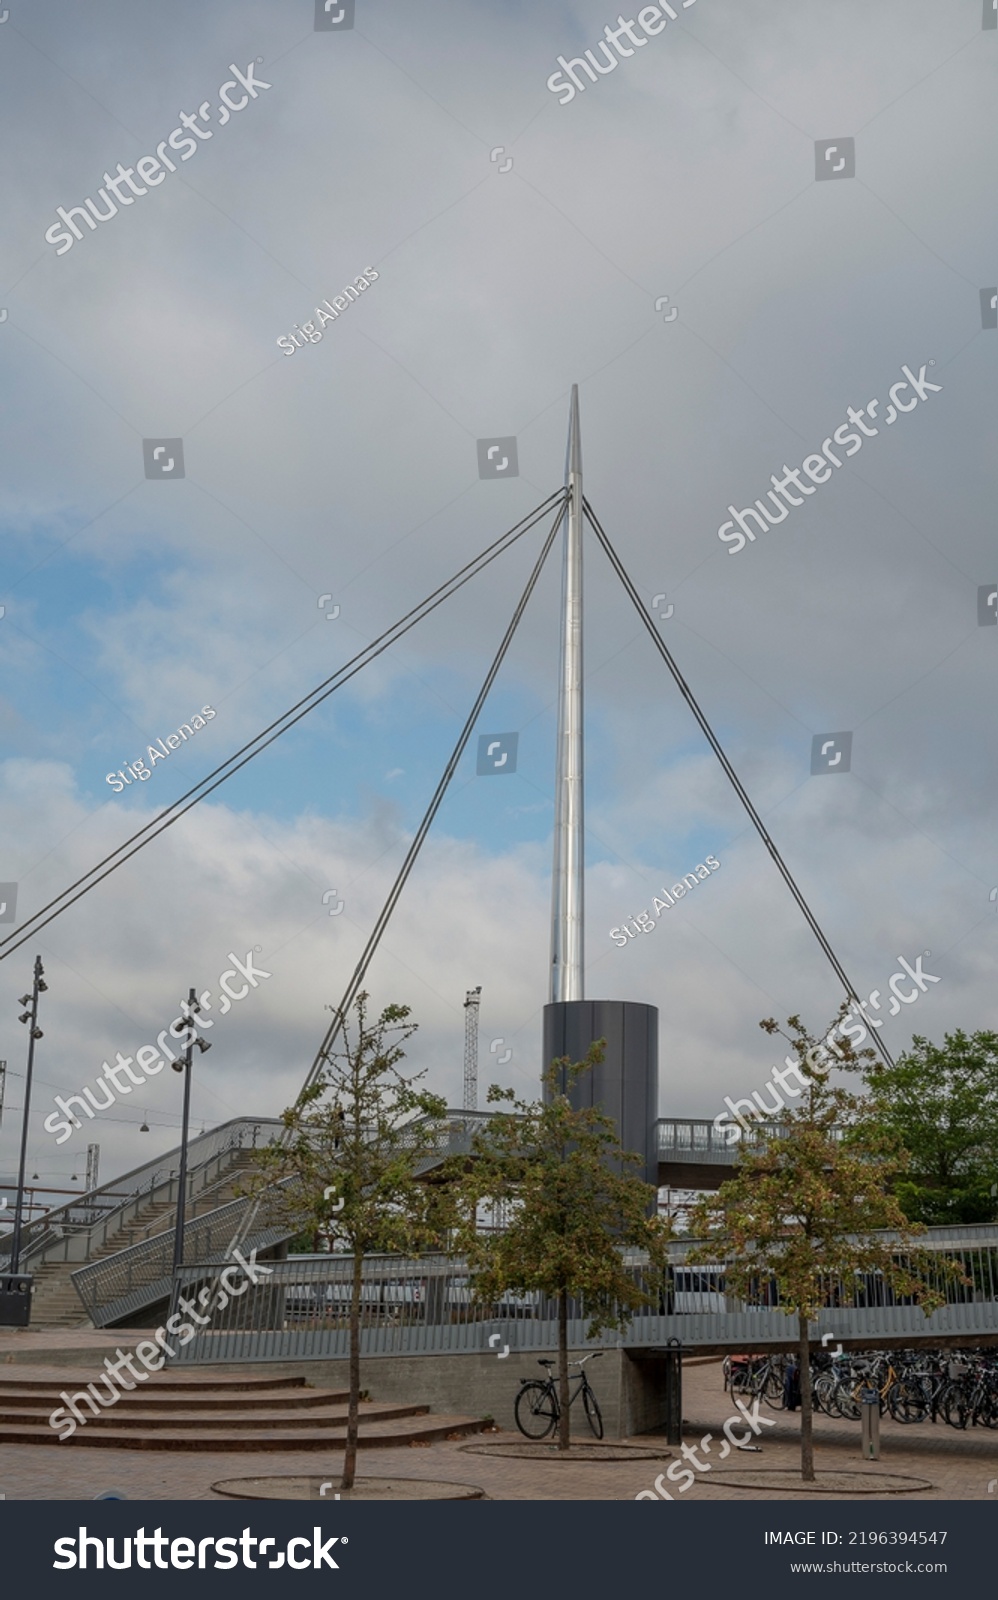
567	886
471	1002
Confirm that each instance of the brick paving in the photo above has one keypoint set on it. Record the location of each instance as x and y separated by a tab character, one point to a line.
958	1466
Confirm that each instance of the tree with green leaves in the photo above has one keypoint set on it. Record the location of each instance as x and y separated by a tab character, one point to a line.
352	1145
572	1203
941	1102
812	1202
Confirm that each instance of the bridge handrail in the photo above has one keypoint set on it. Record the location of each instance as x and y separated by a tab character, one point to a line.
103	1283
59	1225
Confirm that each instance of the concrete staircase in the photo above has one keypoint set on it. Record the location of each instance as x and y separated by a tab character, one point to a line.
217	1412
56	1304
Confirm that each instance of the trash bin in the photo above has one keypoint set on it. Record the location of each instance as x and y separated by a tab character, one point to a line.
15	1299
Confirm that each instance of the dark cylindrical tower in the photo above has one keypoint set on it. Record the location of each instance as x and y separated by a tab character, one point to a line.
625	1085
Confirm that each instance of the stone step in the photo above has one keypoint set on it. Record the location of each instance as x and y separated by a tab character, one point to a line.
49	1380
173	1403
373	1435
216	1425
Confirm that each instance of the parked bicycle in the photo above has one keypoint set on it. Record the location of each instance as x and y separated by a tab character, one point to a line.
537	1407
758	1375
913	1385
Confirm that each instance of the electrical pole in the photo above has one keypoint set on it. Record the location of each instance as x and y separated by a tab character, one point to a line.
3	1085
29	1017
471	1002
93	1166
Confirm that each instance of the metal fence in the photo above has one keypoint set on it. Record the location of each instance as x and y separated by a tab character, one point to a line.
299	1311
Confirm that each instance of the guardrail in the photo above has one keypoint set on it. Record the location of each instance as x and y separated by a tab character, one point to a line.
63	1235
697	1141
426	1306
131	1280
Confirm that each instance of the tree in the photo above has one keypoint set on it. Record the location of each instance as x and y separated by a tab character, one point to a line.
572	1204
353	1144
813	1204
942	1104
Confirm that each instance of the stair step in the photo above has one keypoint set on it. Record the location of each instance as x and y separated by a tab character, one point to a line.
172	1404
52	1379
372	1436
218	1424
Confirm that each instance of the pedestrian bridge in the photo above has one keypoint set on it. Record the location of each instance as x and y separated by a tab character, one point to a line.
692	1153
427	1307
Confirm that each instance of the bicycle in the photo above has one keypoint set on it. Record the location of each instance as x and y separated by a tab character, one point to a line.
537	1409
758	1375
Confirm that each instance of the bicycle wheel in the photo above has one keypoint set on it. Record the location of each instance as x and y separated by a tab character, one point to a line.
773	1391
954	1403
823	1391
536	1410
908	1401
987	1411
846	1403
593	1413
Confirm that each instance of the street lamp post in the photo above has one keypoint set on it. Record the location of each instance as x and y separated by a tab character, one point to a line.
189	1007
31	1018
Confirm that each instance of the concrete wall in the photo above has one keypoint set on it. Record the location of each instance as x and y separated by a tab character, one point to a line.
630	1389
477	1385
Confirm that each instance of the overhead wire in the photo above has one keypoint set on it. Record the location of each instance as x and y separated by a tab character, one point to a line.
729	771
322	1056
205	786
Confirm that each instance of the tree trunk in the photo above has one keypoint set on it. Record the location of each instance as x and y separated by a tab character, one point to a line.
565	1419
806	1408
350	1457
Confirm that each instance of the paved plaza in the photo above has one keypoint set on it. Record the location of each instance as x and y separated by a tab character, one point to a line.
959	1466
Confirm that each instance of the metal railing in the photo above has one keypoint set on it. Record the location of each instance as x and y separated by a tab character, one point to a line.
426	1306
131	1280
71	1232
697	1141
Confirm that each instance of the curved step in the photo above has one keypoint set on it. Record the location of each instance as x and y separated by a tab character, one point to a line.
373	1435
217	1424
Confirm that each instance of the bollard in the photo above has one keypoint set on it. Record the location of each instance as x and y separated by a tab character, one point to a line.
674	1392
871	1424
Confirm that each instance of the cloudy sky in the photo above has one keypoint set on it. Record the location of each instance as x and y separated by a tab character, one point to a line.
349	471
